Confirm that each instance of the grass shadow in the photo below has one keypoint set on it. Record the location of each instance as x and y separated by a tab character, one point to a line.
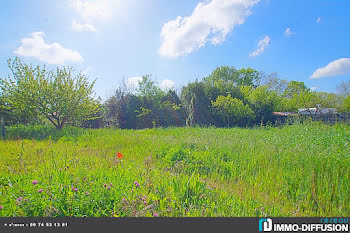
43	132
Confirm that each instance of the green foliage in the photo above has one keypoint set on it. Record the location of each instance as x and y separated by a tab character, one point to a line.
305	99
229	74
197	104
233	110
148	107
148	88
224	73
249	77
295	88
297	95
346	104
57	96
263	102
38	96
328	100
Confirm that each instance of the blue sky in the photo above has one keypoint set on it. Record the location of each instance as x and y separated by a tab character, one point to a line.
179	41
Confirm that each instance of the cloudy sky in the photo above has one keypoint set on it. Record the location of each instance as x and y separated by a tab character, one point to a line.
179	41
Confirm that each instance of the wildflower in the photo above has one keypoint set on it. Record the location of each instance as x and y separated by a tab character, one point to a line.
145	202
119	155
75	189
40	190
123	199
20	199
87	193
35	182
136	184
144	198
1	207
156	191
72	189
109	187
155	215
25	199
105	185
111	184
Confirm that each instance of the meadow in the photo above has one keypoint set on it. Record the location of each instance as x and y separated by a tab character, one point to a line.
292	170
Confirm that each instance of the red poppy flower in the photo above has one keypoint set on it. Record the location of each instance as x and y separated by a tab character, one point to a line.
119	155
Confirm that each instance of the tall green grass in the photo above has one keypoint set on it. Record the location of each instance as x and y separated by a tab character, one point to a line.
296	170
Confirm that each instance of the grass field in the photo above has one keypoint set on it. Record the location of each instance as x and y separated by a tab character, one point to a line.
297	170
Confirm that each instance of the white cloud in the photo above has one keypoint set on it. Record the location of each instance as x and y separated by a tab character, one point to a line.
262	45
337	67
318	20
54	53
209	22
314	88
288	32
167	84
133	82
83	27
90	10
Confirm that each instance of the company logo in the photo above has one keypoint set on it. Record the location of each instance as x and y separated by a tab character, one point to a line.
326	225
265	224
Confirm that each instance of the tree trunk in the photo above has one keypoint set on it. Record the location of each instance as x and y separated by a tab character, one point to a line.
60	126
3	134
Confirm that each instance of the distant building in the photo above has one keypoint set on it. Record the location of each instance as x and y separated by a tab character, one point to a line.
312	111
284	113
316	114
308	111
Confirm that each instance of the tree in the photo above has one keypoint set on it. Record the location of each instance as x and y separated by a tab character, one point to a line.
150	96
298	95
344	88
11	115
305	99
345	107
229	75
233	110
117	108
328	100
148	106
148	88
273	82
225	73
172	110
97	119
57	95
197	104
249	77
262	101
294	88
3	113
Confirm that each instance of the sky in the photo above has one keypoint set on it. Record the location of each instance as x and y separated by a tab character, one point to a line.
179	41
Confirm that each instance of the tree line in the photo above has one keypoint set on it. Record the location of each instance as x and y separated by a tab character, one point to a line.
227	97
